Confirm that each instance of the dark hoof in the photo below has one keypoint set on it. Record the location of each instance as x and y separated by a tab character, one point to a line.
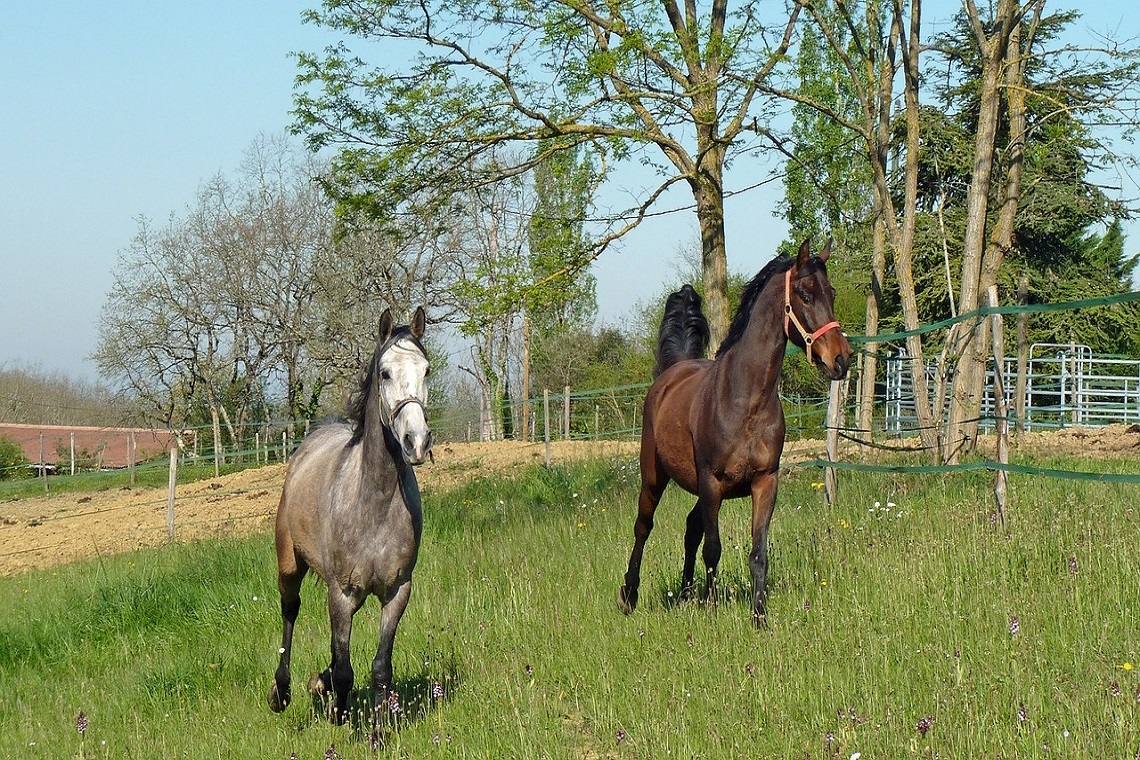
626	600
278	699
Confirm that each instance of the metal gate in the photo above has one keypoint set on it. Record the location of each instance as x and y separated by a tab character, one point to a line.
1065	384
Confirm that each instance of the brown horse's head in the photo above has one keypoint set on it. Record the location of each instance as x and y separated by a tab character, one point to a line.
809	317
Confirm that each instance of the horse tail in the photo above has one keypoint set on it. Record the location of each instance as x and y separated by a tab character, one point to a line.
684	332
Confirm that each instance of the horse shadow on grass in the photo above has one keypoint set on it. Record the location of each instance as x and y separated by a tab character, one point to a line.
413	700
733	587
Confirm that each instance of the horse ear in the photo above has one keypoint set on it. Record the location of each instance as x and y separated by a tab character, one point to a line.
804	254
419	322
826	251
384	331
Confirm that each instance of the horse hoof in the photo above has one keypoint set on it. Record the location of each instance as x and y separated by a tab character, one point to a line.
318	685
278	700
626	600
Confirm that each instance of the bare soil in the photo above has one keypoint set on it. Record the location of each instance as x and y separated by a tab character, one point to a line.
56	529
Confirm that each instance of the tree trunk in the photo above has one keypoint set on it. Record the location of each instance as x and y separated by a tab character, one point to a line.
967	339
708	190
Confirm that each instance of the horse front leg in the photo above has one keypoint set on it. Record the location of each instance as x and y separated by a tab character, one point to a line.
339	675
709	505
763	503
382	663
289	584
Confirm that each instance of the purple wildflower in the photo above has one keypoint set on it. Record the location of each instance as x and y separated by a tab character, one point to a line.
394	703
1014	625
330	753
529	670
1114	688
807	605
924	724
374	740
436	690
1073	565
1022	713
620	735
81	724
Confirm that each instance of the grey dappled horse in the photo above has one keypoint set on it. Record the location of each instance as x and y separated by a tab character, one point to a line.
350	510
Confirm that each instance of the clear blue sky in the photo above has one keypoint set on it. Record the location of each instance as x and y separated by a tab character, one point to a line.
111	111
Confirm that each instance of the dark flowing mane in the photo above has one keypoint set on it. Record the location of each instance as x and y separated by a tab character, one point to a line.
778	265
358	399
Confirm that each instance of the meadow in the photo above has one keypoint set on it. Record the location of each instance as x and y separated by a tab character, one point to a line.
903	622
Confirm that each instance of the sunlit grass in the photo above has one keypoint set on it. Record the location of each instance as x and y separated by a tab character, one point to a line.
902	623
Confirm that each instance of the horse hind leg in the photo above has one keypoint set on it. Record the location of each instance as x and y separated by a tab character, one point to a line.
652	486
694	533
289	584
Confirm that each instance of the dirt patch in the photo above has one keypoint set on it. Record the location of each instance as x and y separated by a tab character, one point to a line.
52	530
56	529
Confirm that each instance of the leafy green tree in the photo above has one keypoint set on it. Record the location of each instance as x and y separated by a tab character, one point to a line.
676	87
1053	236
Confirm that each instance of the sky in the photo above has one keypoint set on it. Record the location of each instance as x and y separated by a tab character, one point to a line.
114	111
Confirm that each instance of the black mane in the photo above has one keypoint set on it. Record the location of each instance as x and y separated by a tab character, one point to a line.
778	265
358	399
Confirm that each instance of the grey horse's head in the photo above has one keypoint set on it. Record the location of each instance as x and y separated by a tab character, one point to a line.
401	373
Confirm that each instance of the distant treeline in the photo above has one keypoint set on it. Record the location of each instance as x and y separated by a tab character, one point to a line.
31	395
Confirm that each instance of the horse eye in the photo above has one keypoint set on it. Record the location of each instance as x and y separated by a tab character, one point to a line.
806	296
427	372
385	374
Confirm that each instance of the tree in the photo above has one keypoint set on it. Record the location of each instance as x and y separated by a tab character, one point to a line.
257	300
1032	110
657	83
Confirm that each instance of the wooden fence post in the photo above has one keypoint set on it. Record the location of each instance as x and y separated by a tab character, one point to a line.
1001	417
566	413
546	424
834	422
170	492
43	464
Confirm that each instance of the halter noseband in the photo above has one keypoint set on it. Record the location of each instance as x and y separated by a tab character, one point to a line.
790	315
399	407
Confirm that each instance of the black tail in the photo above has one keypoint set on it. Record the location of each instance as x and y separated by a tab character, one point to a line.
684	332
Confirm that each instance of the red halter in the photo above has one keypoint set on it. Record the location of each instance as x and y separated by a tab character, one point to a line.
809	338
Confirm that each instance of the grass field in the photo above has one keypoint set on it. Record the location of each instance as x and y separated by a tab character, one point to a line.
902	623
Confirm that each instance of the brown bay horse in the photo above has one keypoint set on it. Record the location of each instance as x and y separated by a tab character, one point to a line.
716	427
350	511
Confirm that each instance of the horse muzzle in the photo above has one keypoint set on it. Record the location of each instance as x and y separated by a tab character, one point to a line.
835	367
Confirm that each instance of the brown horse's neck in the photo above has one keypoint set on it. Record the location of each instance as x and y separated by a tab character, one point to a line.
755	361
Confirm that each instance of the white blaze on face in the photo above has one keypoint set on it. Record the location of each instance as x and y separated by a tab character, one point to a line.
403	377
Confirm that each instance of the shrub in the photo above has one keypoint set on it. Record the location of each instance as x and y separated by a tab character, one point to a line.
13	463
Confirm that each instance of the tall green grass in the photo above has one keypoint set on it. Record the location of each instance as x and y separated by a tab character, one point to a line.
890	612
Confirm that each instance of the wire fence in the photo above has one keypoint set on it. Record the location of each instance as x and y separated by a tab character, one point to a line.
605	414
